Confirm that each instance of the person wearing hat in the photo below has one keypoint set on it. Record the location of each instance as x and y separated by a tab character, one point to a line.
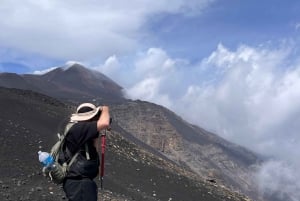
88	121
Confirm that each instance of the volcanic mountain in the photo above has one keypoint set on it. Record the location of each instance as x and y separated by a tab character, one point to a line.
75	83
153	128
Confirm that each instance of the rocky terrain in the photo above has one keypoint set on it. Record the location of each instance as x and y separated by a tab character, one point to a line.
204	153
134	171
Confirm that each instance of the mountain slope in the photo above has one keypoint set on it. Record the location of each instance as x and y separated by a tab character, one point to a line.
13	80
205	153
29	122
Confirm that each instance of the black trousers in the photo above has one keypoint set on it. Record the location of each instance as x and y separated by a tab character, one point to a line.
81	189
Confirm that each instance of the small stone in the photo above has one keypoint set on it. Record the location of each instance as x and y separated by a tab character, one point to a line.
39	188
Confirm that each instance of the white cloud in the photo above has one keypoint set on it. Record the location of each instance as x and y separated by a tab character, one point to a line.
256	91
155	77
41	72
149	89
67	65
154	63
79	29
110	67
279	177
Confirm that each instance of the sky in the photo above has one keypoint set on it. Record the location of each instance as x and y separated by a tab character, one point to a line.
231	67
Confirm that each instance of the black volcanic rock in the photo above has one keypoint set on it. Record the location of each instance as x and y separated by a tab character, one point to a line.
29	122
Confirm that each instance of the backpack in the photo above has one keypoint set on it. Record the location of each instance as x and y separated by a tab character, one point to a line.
59	171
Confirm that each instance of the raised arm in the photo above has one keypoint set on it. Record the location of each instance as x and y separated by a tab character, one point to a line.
103	121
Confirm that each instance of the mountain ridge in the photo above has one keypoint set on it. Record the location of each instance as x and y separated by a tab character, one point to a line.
75	81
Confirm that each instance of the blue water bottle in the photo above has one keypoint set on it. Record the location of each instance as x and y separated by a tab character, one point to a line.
46	159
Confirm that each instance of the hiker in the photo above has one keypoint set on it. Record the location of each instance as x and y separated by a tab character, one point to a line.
82	136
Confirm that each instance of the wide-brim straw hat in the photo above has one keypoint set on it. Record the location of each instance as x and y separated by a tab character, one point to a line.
84	112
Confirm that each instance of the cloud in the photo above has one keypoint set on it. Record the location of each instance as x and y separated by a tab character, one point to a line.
154	62
41	72
279	177
111	67
67	65
66	30
255	90
154	77
149	90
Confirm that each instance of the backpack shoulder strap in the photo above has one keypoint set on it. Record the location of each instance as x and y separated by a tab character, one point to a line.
68	127
56	148
68	165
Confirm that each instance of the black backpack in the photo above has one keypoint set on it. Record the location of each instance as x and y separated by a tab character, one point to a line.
59	171
82	166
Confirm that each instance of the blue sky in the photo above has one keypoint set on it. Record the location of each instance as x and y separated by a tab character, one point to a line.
228	22
232	67
190	34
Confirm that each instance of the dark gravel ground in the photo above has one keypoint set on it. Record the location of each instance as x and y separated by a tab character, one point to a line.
29	122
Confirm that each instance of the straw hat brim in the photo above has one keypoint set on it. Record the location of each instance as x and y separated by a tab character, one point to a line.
85	116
